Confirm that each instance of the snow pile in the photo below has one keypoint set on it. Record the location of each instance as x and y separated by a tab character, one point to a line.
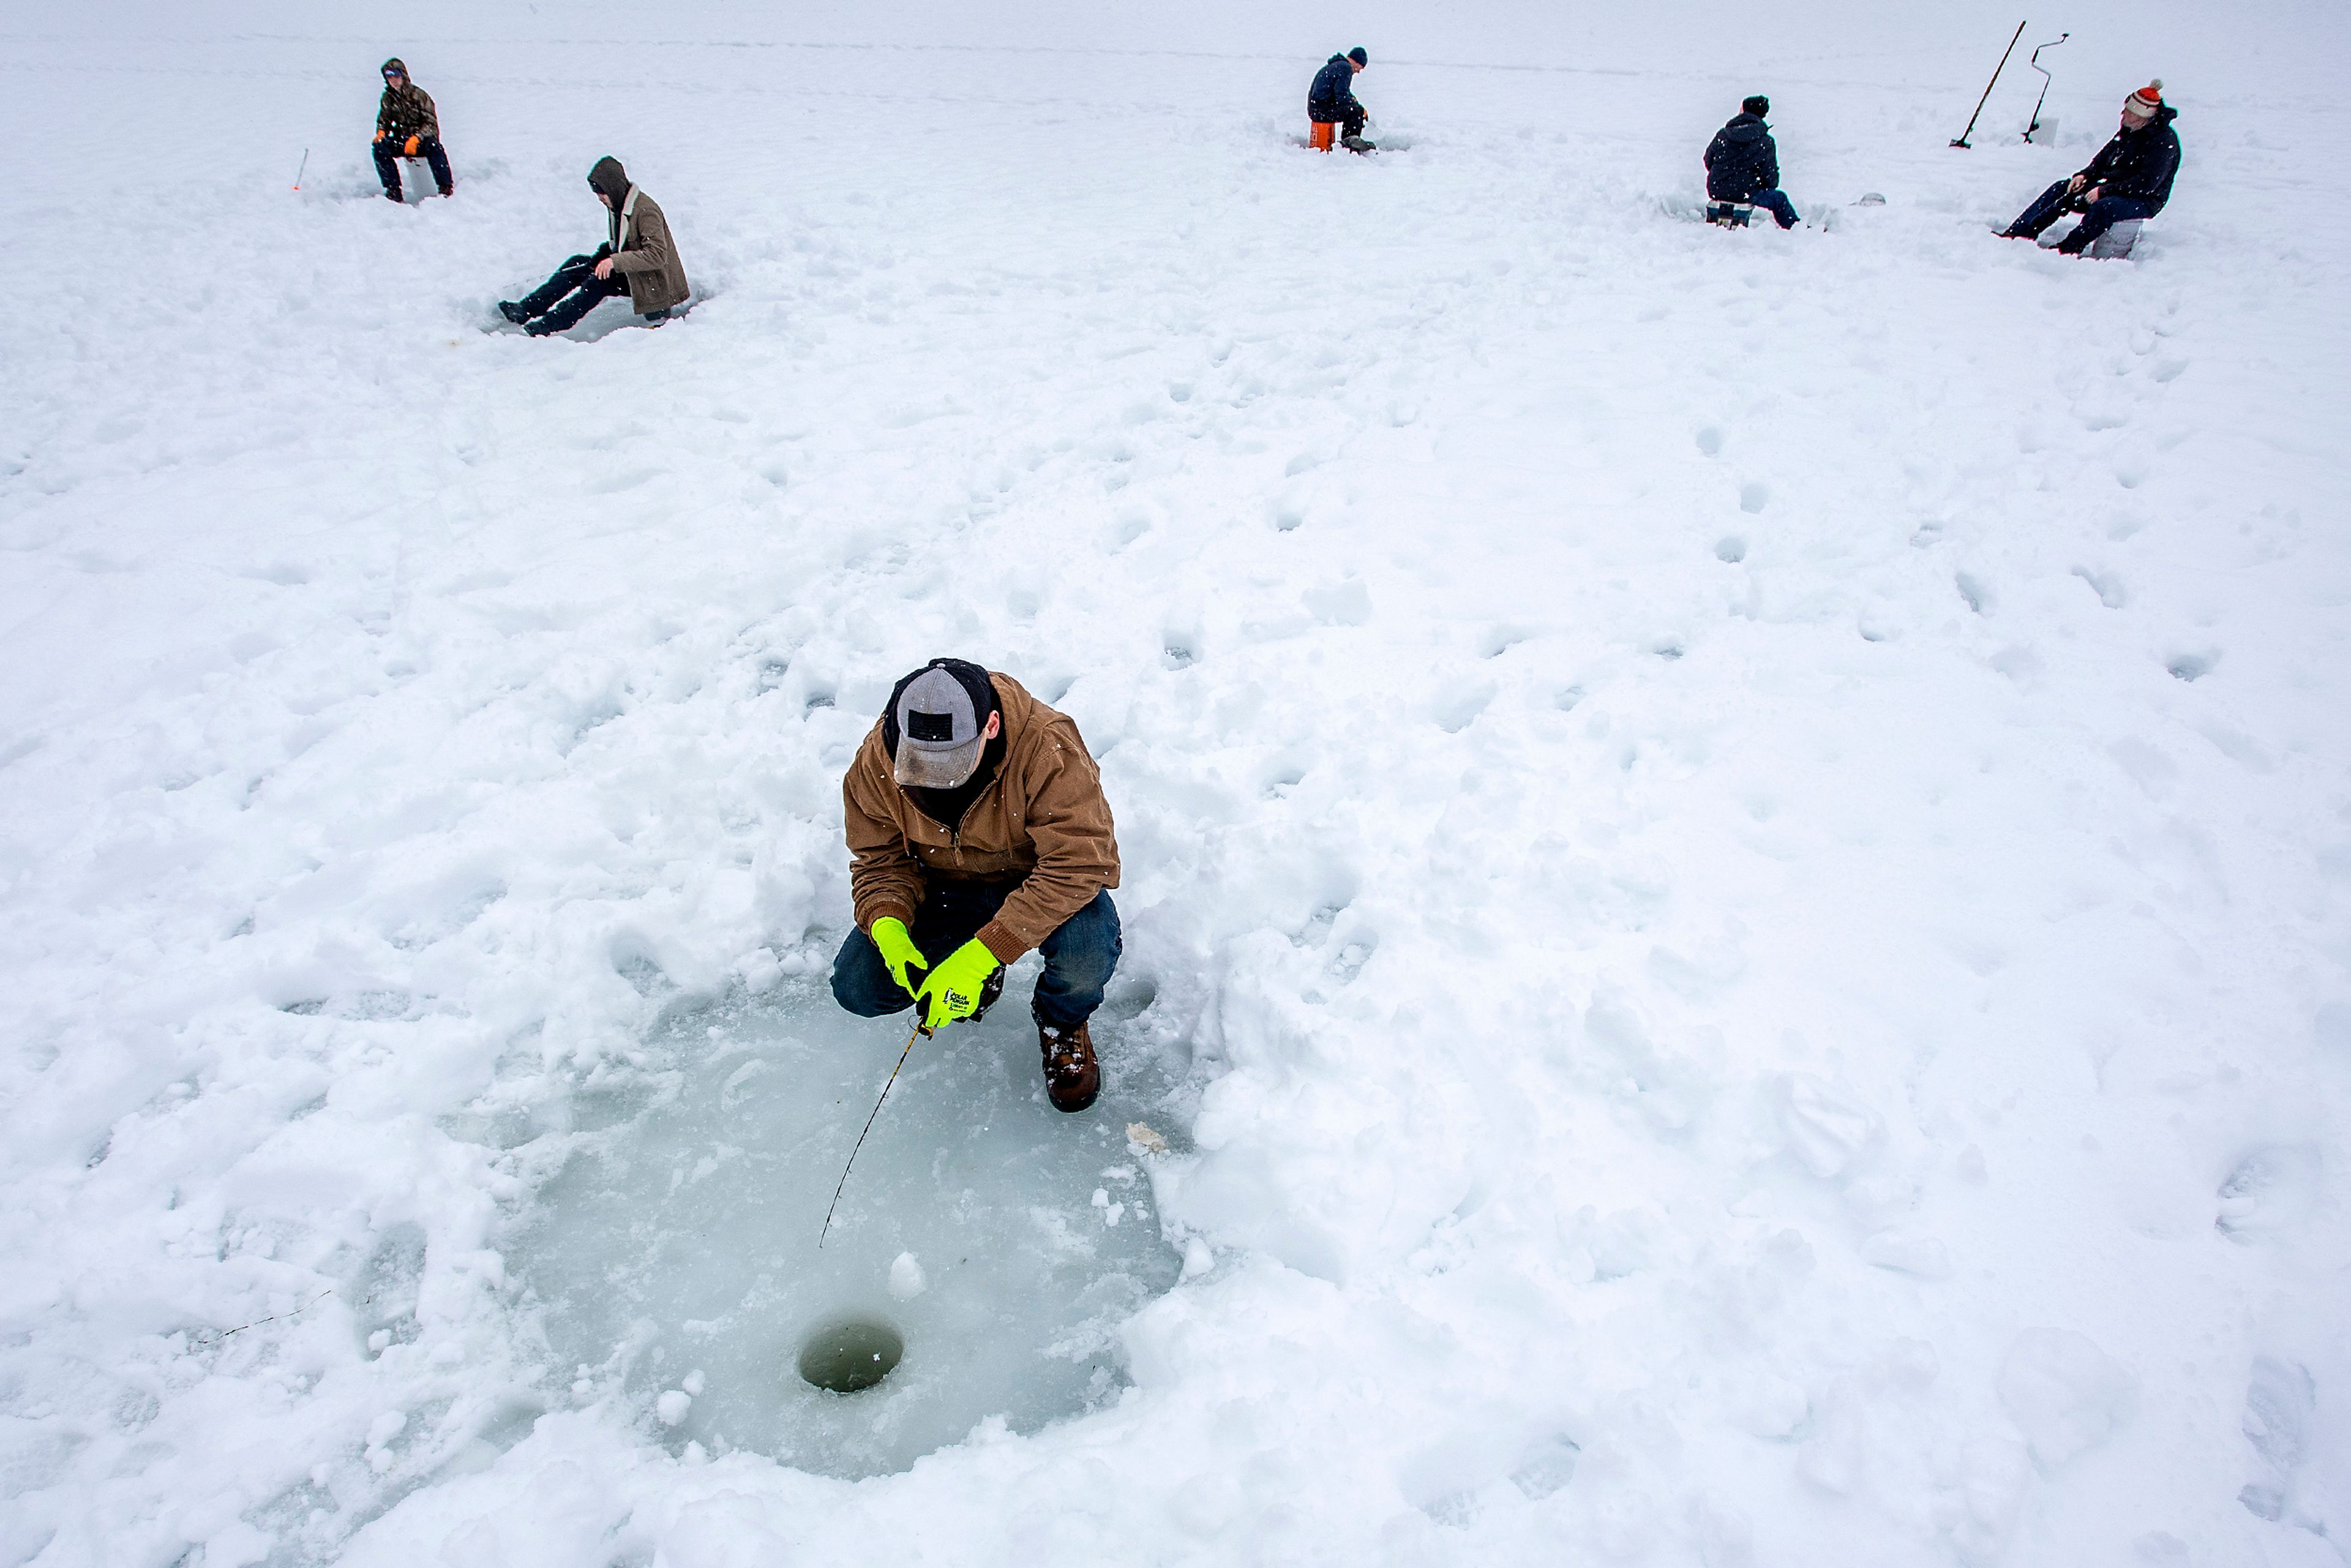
1737	844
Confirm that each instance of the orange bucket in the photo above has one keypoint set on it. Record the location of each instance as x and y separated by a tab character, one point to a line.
1324	132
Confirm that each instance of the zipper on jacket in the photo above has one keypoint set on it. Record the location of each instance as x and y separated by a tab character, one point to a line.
955	833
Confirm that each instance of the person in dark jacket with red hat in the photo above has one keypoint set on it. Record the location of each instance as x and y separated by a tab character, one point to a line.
1742	163
2130	177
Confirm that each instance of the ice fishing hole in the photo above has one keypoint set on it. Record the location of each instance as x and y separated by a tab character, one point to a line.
847	1356
678	1237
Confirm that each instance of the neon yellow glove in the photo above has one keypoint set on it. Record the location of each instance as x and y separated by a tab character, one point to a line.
898	950
952	991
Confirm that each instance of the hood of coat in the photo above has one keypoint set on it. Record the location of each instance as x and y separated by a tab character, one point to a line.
394	64
1746	128
608	178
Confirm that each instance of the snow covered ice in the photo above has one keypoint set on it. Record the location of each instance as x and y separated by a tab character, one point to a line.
1737	844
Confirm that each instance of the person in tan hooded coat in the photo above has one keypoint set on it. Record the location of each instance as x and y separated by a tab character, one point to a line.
639	259
977	831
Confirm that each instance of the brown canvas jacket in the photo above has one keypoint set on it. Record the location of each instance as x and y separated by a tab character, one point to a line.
643	253
1043	818
407	111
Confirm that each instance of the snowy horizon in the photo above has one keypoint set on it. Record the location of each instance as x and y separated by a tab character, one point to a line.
1736	845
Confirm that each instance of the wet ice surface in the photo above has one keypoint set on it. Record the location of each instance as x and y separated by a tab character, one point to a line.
675	1255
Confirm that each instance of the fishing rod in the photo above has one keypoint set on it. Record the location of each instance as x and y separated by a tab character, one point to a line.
1971	131
303	170
2035	63
918	1032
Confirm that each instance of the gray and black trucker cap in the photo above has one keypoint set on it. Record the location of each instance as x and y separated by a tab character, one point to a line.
938	732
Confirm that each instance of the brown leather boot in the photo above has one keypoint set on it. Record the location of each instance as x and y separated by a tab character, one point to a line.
1073	1077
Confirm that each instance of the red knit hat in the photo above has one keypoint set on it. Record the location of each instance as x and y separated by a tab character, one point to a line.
2146	100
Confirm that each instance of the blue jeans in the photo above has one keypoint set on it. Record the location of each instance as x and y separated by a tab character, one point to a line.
2097	218
387	166
1079	957
1776	203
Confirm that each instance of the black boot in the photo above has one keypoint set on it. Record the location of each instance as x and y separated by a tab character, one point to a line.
513	313
2074	244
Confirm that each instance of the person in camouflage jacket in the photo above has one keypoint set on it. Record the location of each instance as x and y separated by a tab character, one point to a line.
407	126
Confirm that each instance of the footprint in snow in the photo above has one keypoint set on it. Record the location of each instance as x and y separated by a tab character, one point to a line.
2280	1401
1500	640
1457	708
2107	585
2268	1191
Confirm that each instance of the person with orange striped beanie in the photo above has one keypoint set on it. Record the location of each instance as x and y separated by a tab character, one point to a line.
2130	177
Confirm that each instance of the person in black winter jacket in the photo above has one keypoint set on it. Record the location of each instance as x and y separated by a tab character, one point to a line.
1331	100
2130	177
1742	163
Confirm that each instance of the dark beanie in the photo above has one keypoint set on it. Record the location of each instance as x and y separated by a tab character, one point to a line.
1357	55
1759	105
609	178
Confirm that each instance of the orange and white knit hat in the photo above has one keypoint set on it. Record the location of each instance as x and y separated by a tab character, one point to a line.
2146	100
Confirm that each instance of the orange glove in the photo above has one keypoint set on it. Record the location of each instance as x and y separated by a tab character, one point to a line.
379	136
410	151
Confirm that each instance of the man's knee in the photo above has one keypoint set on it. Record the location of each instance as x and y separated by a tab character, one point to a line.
861	982
1086	949
2102	215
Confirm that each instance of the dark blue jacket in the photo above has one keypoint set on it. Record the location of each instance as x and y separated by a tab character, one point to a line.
2139	163
1333	97
1741	160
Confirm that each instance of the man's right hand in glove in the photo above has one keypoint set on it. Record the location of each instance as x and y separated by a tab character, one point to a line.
898	950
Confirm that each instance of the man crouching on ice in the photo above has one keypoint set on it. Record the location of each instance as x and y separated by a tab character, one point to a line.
977	831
